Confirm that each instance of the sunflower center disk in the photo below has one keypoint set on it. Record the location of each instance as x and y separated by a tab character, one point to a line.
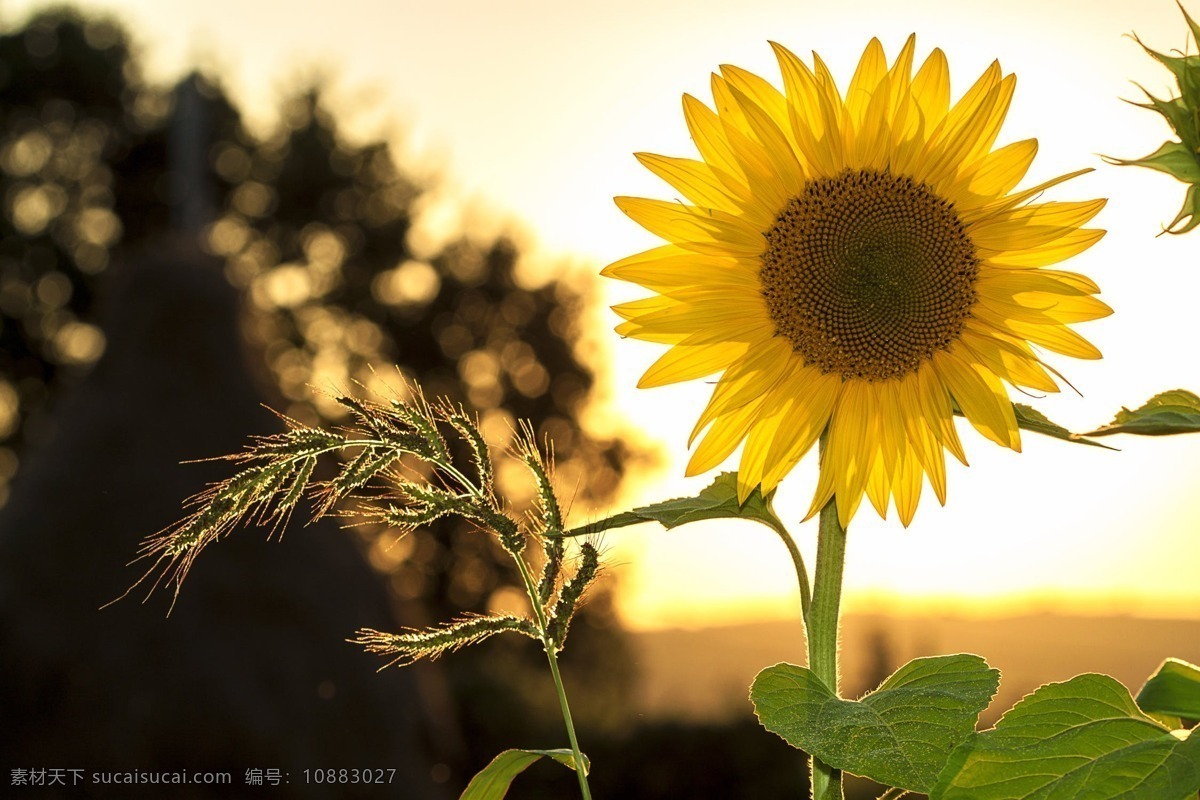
868	274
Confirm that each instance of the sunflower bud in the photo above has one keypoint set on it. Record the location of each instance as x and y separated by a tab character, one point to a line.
1179	159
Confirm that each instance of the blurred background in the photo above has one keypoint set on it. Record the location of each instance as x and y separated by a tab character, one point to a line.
205	208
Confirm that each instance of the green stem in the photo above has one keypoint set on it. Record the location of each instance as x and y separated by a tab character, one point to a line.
801	572
823	630
580	764
552	656
893	794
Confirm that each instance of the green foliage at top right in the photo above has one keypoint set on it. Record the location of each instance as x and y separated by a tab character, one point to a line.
1180	159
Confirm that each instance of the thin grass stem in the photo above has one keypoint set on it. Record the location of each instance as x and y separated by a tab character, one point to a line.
552	656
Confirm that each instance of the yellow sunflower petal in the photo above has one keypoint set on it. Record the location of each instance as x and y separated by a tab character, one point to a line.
966	128
647	305
776	151
970	104
931	89
1068	282
1001	170
1008	361
802	92
879	487
763	94
906	487
690	318
1054	337
681	272
709	137
1020	198
752	331
900	75
937	409
926	446
747	379
825	487
702	230
813	118
754	462
756	143
1032	226
684	363
804	420
871	69
852	447
723	437
981	397
1060	249
873	140
699	183
634	331
1048	309
1006	283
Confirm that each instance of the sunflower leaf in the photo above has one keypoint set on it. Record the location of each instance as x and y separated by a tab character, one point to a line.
1081	738
900	735
1033	420
1174	690
1176	411
492	782
718	500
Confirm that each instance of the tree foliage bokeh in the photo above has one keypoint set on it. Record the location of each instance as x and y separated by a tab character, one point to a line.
315	229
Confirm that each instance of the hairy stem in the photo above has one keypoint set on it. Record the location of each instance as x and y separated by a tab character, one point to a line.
823	630
552	656
893	794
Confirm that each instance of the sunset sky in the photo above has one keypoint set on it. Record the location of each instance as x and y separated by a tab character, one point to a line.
527	113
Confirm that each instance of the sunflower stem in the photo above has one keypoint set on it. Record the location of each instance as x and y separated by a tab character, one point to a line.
823	630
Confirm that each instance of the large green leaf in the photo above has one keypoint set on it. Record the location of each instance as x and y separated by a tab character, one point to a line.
492	782
1084	738
716	501
1176	411
1174	690
900	734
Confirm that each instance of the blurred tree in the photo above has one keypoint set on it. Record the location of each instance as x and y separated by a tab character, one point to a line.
249	672
314	228
62	124
83	171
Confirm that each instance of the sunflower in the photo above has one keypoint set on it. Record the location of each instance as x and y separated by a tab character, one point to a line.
858	266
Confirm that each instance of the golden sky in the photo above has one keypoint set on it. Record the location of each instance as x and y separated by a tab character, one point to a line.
532	109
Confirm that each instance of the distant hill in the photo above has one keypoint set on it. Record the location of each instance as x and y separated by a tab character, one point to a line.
705	674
